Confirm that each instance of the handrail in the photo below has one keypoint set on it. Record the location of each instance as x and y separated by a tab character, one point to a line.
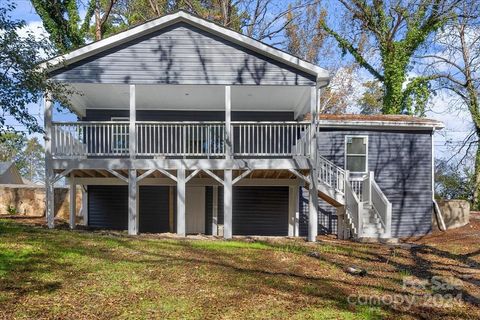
382	207
331	174
353	208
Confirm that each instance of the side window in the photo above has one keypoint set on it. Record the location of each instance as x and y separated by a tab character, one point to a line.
356	153
120	136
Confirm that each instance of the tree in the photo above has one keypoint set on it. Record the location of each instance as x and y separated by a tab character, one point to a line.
456	65
61	19
11	145
395	31
32	161
21	82
372	97
305	38
453	181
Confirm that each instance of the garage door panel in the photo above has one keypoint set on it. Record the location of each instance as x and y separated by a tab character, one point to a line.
153	207
108	207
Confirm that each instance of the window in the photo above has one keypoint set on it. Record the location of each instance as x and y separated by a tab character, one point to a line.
120	136
356	151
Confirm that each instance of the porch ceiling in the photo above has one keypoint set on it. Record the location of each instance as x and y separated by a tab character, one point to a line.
190	97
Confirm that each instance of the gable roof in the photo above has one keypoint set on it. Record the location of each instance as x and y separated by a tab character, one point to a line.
96	47
9	173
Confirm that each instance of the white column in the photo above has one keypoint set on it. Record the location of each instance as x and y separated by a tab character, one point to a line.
73	202
133	218
132	119
227	204
215	211
181	226
228	120
84	209
49	175
292	210
313	187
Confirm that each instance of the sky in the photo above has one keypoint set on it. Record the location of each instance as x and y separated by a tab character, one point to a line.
457	123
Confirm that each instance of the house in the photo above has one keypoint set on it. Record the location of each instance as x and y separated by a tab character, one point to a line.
188	127
9	174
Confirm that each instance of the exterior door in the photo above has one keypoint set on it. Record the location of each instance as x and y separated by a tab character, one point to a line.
195	209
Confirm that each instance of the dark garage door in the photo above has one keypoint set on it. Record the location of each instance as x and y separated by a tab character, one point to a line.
154	209
260	211
108	208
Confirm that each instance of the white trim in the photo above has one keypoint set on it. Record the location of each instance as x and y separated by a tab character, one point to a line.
181	16
380	125
359	155
194	182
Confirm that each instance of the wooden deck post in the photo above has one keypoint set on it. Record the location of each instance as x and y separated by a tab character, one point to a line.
292	210
181	225
73	202
133	218
49	174
313	186
228	123
215	211
132	126
227	205
84	209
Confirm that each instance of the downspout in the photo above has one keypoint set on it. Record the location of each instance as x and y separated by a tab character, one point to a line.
436	208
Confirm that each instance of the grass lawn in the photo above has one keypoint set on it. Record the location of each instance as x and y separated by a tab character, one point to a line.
62	274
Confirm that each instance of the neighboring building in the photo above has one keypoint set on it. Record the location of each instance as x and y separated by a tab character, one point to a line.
189	127
9	174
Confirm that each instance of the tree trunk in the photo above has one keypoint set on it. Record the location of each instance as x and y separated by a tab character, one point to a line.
476	191
395	76
98	22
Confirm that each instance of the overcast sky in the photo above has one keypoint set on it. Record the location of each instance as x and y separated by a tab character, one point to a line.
458	123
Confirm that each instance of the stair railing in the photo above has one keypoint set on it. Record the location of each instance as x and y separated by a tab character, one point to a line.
330	174
353	207
382	207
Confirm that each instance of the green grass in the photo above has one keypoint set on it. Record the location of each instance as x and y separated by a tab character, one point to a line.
81	274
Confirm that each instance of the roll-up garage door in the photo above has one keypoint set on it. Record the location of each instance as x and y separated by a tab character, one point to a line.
154	209
260	211
108	207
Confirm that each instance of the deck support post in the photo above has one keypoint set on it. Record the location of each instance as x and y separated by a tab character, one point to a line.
215	211
49	174
228	123
84	208
227	204
132	127
313	186
181	225
292	211
133	218
73	203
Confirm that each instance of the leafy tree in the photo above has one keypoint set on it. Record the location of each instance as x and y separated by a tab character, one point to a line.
371	100
61	19
395	31
453	181
32	161
456	66
11	145
21	82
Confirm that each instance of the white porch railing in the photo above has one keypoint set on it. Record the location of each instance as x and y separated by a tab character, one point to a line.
179	139
353	209
269	138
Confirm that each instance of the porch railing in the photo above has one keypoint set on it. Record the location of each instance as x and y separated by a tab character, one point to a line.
179	139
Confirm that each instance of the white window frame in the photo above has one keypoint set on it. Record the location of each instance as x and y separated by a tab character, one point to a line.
366	152
117	135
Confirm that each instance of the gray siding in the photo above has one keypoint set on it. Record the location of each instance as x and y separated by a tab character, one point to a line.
402	163
181	54
175	115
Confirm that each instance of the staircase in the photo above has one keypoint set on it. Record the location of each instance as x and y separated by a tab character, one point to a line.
365	212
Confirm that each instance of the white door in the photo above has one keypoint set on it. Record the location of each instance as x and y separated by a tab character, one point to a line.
195	209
